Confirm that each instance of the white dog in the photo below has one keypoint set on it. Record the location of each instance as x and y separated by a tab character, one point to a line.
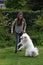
28	45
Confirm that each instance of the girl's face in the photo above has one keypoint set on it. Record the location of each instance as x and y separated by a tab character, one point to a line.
20	17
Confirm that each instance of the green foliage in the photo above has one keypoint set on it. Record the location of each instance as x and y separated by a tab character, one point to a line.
39	21
35	4
15	3
24	4
36	36
34	21
6	39
11	3
1	19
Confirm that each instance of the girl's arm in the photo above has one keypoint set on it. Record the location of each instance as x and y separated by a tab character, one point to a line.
12	28
24	29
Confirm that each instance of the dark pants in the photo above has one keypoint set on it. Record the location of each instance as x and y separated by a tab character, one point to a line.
18	35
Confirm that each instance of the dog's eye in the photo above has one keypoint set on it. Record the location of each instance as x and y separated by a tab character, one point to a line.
25	37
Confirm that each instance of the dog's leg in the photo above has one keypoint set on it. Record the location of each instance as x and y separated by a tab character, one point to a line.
21	47
19	43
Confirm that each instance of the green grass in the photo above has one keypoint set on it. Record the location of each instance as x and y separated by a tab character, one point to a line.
8	57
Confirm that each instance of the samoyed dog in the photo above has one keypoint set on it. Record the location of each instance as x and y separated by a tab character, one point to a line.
28	45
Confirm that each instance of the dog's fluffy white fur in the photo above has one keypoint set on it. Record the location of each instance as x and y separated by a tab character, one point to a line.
28	45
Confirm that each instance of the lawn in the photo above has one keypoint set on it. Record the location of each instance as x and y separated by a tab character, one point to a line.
8	57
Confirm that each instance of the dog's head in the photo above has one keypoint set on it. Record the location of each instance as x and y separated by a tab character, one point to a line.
24	37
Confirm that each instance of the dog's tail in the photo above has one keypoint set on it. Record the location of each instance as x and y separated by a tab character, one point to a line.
35	52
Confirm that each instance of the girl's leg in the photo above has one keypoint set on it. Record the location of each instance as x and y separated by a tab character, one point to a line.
20	36
20	39
17	41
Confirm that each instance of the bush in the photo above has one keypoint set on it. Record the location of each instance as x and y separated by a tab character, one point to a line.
6	39
39	23
36	36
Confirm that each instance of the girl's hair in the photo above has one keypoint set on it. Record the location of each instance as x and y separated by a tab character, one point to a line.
19	22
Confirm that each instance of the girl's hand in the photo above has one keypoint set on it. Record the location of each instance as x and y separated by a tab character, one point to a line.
11	32
24	31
